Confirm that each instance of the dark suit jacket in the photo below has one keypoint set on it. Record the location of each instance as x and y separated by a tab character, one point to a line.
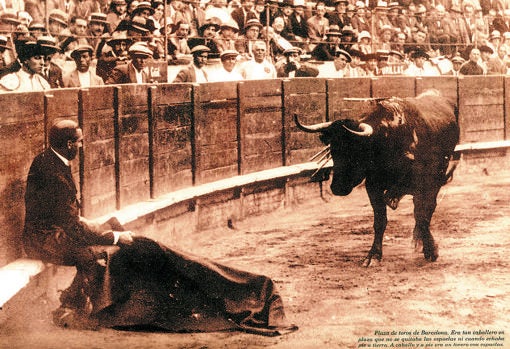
125	74
187	75
55	78
303	71
54	231
72	79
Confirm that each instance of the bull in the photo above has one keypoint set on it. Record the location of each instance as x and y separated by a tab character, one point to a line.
399	147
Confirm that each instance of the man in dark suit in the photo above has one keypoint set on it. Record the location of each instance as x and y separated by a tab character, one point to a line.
54	230
135	71
292	67
195	72
51	72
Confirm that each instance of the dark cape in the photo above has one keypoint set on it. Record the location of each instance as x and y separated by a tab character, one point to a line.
148	284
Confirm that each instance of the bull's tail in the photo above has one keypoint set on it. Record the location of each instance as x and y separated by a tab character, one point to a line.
448	177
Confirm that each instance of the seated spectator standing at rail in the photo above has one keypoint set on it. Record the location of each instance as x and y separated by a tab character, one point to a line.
28	78
119	44
228	70
51	71
498	65
195	71
82	76
471	67
136	70
293	67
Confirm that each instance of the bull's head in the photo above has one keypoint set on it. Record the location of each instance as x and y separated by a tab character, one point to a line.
349	141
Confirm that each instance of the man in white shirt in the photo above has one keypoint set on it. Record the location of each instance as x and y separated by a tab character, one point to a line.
82	76
421	65
228	71
259	67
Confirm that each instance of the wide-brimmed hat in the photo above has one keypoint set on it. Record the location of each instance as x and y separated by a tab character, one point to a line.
10	16
81	48
458	59
139	24
344	53
59	16
3	42
334	30
364	34
230	24
142	6
36	25
120	36
98	17
211	22
291	50
229	53
199	49
140	48
485	48
252	23
48	44
495	34
347	30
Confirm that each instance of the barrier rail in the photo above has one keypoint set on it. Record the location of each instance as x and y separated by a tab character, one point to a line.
145	141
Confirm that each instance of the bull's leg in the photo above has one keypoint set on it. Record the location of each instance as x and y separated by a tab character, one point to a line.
380	222
424	206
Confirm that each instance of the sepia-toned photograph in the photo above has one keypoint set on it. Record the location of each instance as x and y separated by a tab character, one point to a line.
254	174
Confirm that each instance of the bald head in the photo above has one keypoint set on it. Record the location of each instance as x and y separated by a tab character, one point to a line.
65	137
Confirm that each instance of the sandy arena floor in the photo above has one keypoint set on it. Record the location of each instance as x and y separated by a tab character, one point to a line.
314	251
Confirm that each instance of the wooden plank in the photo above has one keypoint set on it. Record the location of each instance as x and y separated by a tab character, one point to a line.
507	106
99	180
214	91
260	110
133	133
172	136
339	89
446	85
311	108
215	130
481	108
393	86
305	86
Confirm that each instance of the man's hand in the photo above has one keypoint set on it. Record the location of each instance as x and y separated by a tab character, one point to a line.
125	237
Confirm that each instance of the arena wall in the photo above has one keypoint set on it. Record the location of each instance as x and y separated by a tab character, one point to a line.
147	141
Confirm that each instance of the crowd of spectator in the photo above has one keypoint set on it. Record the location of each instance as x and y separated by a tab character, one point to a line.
80	43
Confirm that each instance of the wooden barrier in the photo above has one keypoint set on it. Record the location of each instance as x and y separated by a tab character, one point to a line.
146	141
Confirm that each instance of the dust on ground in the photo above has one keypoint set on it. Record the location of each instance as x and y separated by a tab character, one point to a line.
314	251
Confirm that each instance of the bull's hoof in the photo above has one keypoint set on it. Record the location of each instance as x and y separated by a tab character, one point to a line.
372	259
431	253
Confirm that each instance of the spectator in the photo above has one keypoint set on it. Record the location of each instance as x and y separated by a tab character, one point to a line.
326	51
217	9
292	66
136	28
278	43
259	67
29	77
364	43
361	20
498	65
57	22
178	40
298	23
51	71
36	9
136	70
439	31
285	11
420	65
117	11
384	38
348	38
195	71
251	34
84	8
371	65
494	42
145	10
119	44
356	69
82	76
37	29
381	17
97	31
471	67
79	28
341	64
4	62
398	42
318	24
394	9
157	17
457	62
244	13
339	16
485	54
259	12
227	38
207	36
228	70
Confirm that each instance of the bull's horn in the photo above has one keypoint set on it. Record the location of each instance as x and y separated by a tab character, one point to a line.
366	130
311	128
